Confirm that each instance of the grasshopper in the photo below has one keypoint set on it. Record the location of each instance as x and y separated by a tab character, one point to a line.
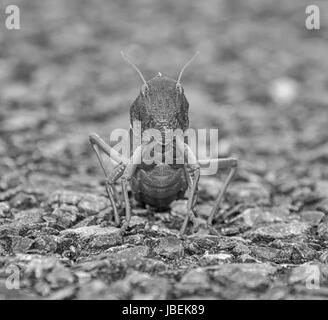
162	105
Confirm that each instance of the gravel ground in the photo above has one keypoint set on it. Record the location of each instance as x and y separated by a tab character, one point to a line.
260	77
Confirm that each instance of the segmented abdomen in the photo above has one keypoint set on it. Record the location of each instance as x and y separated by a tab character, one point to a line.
160	185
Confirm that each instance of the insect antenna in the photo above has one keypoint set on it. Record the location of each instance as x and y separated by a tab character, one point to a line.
185	66
134	67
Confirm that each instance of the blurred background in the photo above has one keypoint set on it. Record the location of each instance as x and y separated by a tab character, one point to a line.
261	78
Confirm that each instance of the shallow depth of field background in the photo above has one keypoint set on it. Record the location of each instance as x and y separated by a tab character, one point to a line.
260	76
261	79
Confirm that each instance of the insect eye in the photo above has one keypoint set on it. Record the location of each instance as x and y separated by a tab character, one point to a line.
144	90
179	88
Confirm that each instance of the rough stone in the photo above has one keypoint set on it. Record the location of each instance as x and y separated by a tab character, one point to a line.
4	209
246	258
21	244
195	280
93	204
48	273
137	221
140	286
8	294
204	210
200	243
29	217
95	289
216	258
65	197
94	237
251	193
312	217
312	275
323	230
195	277
170	247
280	231
256	216
250	275
132	253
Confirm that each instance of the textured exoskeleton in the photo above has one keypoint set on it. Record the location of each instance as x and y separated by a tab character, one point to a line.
160	105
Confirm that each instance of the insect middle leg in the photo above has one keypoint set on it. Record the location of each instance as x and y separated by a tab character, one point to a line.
192	170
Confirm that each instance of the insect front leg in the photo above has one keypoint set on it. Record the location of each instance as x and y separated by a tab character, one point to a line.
192	170
193	174
111	177
222	163
129	171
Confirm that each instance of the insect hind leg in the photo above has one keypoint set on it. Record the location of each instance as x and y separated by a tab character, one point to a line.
222	163
111	177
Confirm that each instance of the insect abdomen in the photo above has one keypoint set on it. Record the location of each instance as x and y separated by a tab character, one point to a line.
159	186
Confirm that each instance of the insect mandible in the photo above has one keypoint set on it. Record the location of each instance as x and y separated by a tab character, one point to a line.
161	105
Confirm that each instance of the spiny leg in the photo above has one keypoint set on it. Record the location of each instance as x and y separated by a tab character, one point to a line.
98	144
111	152
191	168
112	192
192	197
129	171
222	163
126	177
125	182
